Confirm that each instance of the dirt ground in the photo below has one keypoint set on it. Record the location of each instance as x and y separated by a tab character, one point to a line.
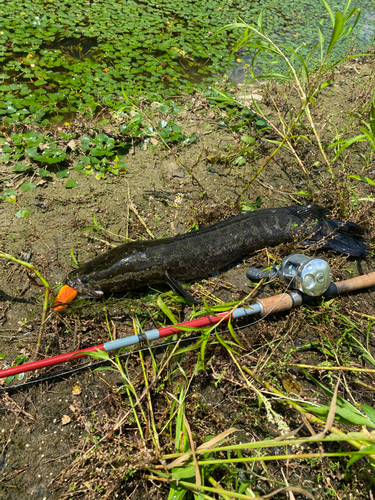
67	432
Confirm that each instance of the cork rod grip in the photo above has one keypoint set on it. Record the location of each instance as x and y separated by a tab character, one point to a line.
275	304
364	281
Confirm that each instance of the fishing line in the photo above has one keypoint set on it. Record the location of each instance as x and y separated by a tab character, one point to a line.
15	336
89	365
47	318
127	354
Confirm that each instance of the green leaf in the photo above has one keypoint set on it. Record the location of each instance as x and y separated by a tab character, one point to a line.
355	458
62	174
9	192
205	335
344	409
261	124
346	143
20	359
22	214
177	493
186	472
225	344
79	167
98	354
304	193
337	30
248	140
232	332
11	199
19	167
323	86
4	157
43	172
363	179
71	183
330	12
166	310
372	120
370	412
353	417
27	186
178	473
164	108
52	159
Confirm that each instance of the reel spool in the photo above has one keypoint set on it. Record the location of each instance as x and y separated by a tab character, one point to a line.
309	275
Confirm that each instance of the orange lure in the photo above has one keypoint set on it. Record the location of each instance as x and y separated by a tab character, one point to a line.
65	295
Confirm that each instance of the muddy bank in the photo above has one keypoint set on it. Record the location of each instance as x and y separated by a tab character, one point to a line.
76	435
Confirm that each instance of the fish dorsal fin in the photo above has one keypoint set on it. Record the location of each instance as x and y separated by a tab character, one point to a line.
311	211
304	211
179	289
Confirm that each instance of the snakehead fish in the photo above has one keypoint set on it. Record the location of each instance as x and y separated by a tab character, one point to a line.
199	253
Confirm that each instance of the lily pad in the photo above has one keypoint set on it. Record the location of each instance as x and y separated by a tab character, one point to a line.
71	183
27	186
23	213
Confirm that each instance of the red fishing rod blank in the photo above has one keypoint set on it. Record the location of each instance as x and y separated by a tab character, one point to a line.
149	336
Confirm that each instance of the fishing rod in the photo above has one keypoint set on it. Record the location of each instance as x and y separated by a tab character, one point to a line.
309	277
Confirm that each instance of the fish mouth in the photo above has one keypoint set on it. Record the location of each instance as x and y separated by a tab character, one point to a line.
69	292
65	295
83	289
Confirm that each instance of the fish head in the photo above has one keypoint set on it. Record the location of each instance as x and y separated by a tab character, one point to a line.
85	287
71	289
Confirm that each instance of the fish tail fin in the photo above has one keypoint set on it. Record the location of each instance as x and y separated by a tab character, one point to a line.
342	237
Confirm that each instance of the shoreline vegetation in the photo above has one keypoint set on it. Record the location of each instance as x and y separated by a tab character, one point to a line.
104	140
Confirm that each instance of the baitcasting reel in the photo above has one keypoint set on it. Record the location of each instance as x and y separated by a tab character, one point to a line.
311	276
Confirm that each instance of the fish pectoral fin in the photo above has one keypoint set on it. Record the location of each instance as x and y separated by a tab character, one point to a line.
180	290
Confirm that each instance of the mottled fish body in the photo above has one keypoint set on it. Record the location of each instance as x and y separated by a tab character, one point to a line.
199	253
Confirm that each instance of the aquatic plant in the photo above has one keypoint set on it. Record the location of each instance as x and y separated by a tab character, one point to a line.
59	57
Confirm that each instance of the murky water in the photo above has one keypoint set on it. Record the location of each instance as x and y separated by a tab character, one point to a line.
296	24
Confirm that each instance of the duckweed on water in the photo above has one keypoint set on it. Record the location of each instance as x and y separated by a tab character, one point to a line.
61	57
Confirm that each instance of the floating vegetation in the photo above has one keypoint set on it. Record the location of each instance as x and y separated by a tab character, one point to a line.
60	57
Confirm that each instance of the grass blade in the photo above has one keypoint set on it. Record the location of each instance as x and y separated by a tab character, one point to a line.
337	31
330	12
166	309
